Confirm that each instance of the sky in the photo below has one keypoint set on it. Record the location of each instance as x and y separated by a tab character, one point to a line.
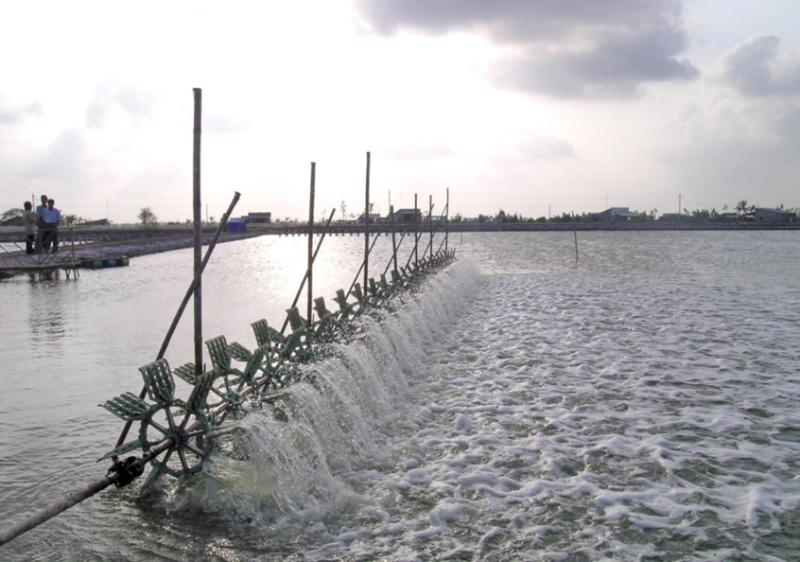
533	106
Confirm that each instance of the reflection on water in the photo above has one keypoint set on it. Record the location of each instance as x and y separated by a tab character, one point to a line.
46	312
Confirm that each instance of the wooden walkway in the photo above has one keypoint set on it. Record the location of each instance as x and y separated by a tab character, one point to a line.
69	258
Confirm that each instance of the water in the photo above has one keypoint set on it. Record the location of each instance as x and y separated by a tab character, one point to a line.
639	406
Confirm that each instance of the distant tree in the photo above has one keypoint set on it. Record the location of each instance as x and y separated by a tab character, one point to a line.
500	216
147	217
484	218
10	214
458	218
541	219
69	220
741	206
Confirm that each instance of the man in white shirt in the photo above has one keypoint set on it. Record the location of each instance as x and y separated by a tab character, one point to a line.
30	218
50	218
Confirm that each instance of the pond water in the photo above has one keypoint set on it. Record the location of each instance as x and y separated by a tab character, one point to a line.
640	404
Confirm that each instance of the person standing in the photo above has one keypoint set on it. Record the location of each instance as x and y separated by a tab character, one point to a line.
40	209
49	231
31	219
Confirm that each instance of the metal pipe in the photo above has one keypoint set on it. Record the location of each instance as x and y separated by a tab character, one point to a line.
72	498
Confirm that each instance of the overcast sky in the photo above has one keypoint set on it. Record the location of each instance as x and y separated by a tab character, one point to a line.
528	105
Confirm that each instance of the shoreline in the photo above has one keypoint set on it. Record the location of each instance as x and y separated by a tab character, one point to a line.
100	243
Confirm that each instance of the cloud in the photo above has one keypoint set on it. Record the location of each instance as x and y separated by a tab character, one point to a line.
736	148
537	148
63	160
755	68
562	48
418	152
12	115
108	99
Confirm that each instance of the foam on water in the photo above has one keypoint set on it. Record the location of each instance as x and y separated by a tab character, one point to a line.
533	420
641	406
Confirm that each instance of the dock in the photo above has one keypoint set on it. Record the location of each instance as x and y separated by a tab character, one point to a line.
95	251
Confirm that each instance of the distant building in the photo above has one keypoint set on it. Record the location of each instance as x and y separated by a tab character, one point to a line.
614	214
670	217
237	225
728	216
258	218
407	215
763	214
373	218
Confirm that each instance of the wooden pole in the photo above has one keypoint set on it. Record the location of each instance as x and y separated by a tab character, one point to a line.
447	220
430	221
305	276
394	258
366	227
575	232
198	236
355	279
430	242
394	245
416	231
310	268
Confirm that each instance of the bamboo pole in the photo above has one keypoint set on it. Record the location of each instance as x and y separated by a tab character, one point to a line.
416	231
394	258
447	220
430	245
313	258
430	221
575	232
189	292
310	267
394	245
198	235
355	279
366	226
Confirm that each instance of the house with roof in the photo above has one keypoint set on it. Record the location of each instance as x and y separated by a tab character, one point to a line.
613	214
407	215
774	216
259	218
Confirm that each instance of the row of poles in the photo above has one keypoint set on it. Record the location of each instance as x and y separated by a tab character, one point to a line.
194	292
